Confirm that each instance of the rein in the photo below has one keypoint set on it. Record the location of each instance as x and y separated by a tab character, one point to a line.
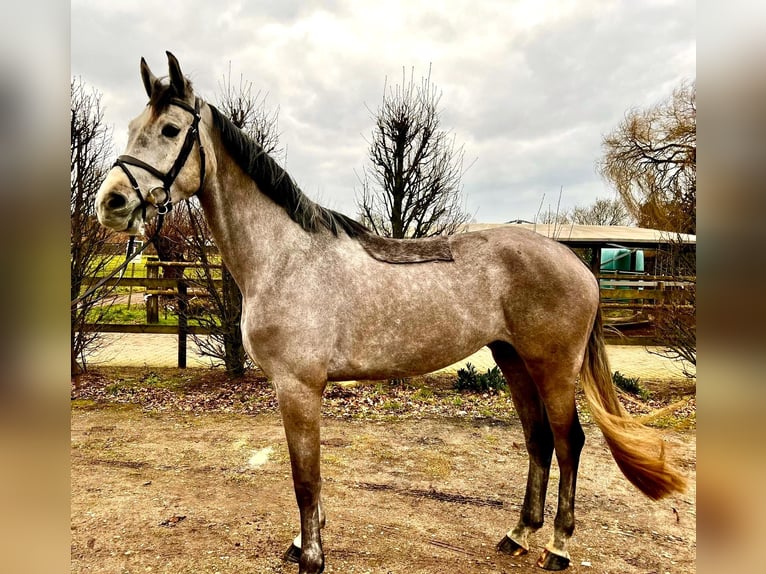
128	258
167	179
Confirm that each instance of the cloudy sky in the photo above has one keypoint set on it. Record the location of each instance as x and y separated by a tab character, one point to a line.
529	87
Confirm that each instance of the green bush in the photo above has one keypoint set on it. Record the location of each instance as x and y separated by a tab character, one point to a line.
469	379
629	385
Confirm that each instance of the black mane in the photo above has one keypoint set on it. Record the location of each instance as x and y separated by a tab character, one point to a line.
276	183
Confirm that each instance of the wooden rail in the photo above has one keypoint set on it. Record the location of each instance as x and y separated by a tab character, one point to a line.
144	328
640	292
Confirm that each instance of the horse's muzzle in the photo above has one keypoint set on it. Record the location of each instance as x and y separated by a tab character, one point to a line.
117	209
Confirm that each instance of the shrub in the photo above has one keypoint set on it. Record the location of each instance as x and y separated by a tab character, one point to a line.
469	379
629	385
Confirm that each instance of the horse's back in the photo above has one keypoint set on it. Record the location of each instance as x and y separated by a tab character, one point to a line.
523	254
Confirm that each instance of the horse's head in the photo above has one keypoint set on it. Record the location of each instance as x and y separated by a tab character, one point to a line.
164	161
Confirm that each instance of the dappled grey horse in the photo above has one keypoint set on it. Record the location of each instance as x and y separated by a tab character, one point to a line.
326	300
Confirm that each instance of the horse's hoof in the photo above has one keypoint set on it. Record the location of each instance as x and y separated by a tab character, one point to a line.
293	554
552	561
511	547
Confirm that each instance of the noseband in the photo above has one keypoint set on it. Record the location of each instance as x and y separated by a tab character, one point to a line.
167	179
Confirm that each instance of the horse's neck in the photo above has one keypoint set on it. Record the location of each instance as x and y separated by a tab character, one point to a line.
252	232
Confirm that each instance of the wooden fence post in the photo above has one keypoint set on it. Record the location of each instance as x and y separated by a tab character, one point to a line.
595	260
182	324
152	301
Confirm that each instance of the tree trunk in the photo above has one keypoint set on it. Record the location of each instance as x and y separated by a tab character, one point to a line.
234	350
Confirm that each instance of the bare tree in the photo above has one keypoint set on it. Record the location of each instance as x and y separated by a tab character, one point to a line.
675	321
90	146
412	185
602	211
651	159
250	113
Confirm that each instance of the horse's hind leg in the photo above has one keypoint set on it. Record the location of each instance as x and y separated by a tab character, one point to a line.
555	380
539	442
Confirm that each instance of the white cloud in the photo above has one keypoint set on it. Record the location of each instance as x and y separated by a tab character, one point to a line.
530	86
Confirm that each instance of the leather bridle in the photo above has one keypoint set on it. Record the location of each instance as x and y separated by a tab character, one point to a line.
167	179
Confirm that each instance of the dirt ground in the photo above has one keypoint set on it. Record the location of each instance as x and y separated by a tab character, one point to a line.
185	490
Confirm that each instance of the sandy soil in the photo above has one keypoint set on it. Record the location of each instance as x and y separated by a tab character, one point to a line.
178	492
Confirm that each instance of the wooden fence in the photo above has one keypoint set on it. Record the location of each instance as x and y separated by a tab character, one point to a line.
643	291
639	295
154	287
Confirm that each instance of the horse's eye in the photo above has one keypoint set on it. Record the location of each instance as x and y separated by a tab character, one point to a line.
170	131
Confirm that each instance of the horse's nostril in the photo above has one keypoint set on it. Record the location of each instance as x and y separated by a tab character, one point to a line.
116	201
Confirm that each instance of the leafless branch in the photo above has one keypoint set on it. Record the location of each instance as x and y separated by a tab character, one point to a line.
651	159
412	184
90	147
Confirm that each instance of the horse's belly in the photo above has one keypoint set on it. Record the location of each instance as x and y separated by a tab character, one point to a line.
399	354
393	368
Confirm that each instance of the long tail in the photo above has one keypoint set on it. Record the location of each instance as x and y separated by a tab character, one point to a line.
637	450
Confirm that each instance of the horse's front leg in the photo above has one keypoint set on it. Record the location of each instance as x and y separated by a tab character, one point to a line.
293	554
300	405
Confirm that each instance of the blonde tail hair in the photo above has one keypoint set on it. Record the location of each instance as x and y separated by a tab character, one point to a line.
637	450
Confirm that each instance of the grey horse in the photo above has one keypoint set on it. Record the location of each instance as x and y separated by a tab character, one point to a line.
327	300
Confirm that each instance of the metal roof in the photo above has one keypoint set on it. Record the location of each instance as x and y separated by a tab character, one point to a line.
590	235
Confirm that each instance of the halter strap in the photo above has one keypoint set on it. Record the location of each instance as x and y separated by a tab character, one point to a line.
130	160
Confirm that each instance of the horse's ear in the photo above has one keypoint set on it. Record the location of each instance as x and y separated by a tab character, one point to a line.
177	80
147	77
